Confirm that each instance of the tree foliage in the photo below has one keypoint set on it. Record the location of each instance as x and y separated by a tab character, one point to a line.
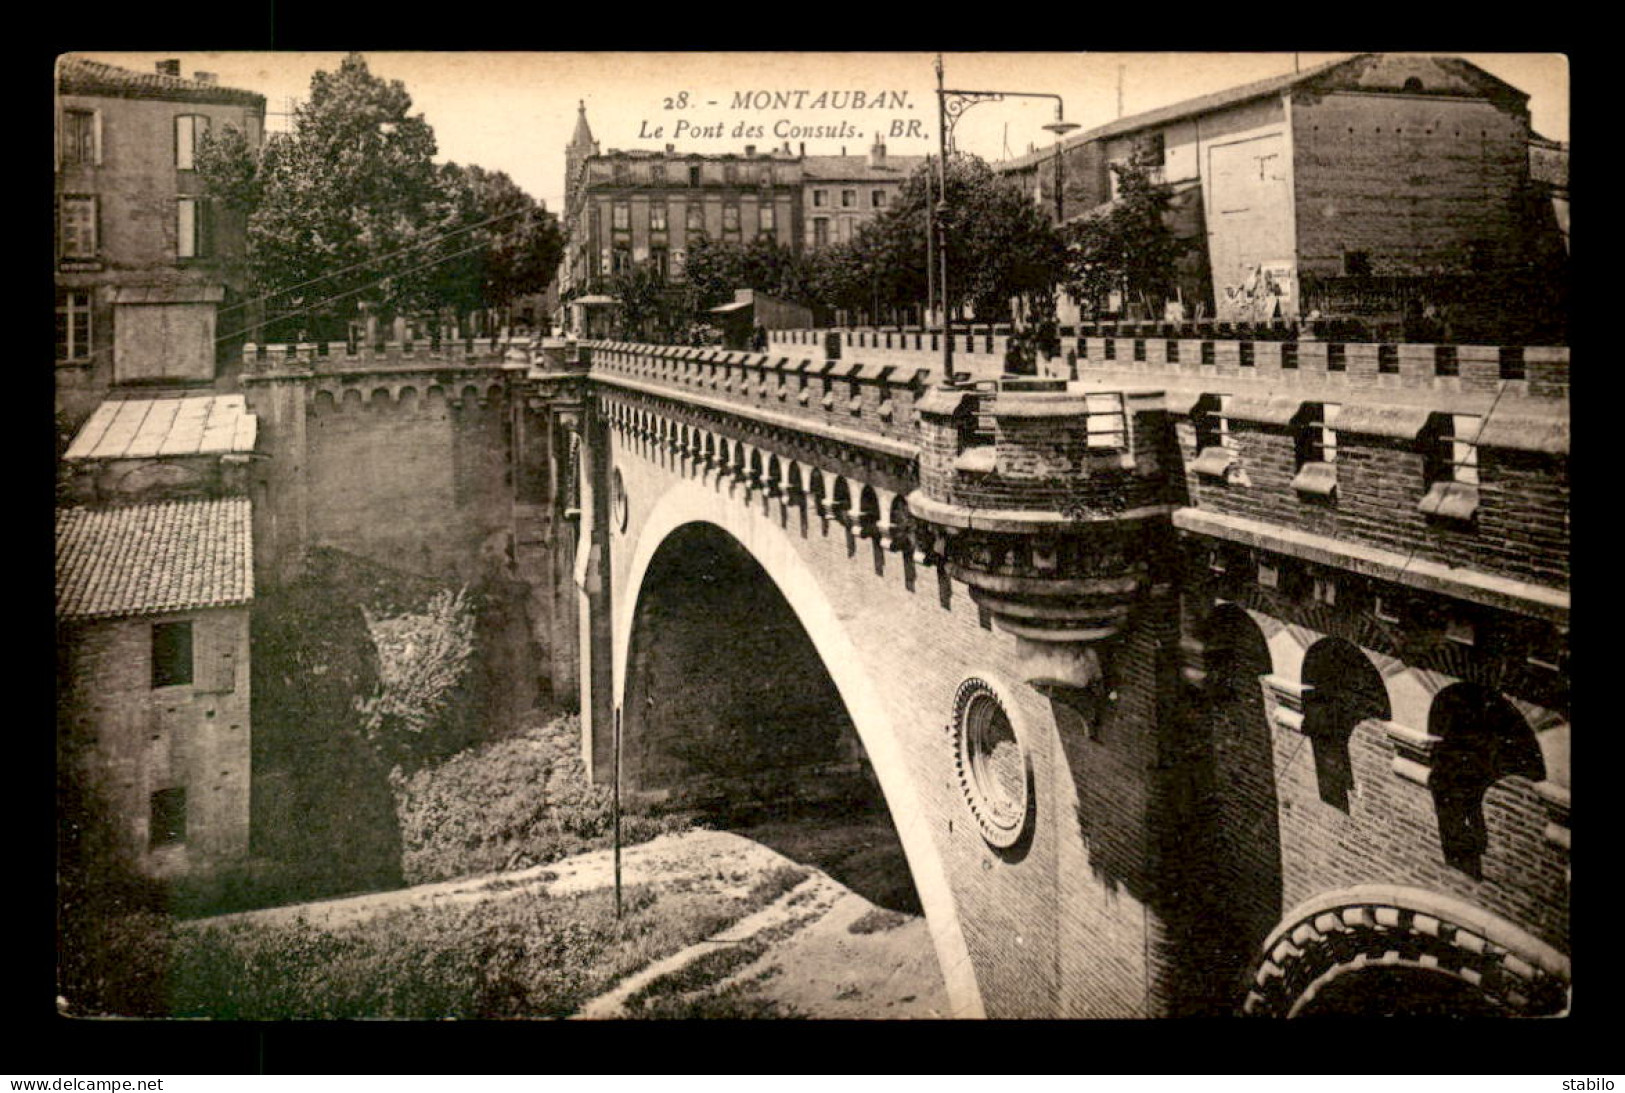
1128	248
1000	245
349	211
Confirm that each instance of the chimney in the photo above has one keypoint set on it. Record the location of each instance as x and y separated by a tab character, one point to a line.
208	78
171	67
803	148
750	149
670	148
877	153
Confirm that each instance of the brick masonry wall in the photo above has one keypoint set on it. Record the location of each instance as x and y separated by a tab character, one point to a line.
1522	525
1171	829
1409	180
130	739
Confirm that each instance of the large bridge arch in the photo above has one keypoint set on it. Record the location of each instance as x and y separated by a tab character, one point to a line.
683	504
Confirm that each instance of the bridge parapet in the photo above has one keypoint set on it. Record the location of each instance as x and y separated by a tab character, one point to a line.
1052	506
845	394
1276	357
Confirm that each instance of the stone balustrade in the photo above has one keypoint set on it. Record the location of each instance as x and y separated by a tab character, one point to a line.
844	396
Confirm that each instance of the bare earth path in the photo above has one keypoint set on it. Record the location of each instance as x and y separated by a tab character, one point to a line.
798	956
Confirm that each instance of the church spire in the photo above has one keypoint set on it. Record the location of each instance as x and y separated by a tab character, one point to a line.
583	134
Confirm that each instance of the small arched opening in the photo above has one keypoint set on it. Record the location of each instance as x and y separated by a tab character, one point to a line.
1342	689
1482	739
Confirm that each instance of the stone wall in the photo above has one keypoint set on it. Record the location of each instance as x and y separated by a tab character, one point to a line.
130	739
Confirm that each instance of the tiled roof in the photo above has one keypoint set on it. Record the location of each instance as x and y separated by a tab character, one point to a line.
1229	96
150	427
857	168
81	76
149	559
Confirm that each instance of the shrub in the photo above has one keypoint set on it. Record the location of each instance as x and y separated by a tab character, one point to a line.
423	659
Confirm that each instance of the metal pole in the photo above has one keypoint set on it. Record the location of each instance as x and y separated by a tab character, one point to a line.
615	811
930	250
941	215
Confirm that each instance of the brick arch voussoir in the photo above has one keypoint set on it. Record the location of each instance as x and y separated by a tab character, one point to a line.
1385	926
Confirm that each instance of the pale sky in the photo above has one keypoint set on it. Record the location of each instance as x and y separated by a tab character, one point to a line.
515	112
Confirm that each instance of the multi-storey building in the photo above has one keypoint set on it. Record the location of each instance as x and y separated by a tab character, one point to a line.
1358	186
142	256
623	208
841	193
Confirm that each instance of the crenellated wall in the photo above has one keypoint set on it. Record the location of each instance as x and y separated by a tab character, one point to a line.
1254	685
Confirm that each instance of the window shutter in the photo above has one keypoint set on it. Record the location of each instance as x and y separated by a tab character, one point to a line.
96	137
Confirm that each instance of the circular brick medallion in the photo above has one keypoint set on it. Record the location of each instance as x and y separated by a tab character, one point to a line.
994	772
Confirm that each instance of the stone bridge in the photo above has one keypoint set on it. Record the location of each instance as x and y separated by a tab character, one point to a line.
1198	676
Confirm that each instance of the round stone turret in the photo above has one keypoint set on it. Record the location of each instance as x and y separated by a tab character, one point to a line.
1050	502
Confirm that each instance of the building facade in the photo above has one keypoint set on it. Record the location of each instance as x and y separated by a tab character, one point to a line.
625	208
842	193
153	606
1358	187
142	256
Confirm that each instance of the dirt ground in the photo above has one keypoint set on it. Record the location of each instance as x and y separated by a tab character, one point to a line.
820	950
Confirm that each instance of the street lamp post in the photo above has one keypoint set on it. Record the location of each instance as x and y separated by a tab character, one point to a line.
951	103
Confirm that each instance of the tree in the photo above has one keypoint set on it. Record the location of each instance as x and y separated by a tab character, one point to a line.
511	244
1000	246
349	213
715	269
1128	248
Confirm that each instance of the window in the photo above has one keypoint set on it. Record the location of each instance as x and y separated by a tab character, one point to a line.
657	218
622	216
820	199
820	231
1452	467
661	260
618	173
1324	591
766	177
171	653
1212	427
695	217
80	146
730	218
189	132
849	199
1357	263
78	227
767	218
167	817
1153	150
877	199
730	173
1460	450
1317	442
1106	421
1317	449
620	260
192	236
657	173
73	326
694	174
